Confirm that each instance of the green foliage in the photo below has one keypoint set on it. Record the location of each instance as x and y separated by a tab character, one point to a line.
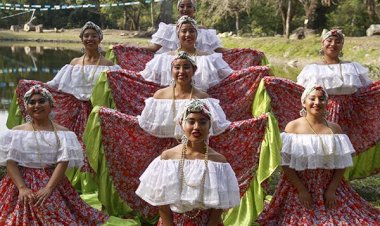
351	16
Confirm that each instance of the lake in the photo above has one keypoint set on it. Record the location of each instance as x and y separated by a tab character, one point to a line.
28	62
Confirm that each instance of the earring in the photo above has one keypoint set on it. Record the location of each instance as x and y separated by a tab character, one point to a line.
83	50
303	112
321	52
341	54
207	140
28	118
184	140
172	83
99	49
52	115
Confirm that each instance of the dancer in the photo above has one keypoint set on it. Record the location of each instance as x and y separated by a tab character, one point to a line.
35	190
312	190
206	183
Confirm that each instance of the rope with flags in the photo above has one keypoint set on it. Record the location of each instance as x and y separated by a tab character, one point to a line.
45	7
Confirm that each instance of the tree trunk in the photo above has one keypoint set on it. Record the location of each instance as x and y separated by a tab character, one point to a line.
166	11
152	13
371	9
287	24
237	23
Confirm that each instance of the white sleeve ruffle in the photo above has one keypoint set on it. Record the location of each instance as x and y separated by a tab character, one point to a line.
166	36
310	151
21	147
211	69
335	78
160	184
71	79
158	117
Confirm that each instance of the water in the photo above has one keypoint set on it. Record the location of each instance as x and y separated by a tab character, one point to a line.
33	63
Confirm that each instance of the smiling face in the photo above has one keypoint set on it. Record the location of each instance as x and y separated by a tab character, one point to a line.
38	107
90	39
187	35
186	8
332	46
196	127
316	103
182	71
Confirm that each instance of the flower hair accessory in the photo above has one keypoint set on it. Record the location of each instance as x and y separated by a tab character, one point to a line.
310	89
184	55
37	89
195	106
91	25
186	20
334	32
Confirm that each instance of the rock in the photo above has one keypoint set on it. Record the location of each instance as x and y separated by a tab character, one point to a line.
374	29
15	28
293	63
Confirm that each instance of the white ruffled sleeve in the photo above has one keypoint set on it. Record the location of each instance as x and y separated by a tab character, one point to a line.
24	148
160	184
70	149
77	80
158	118
207	40
158	70
310	151
337	79
166	37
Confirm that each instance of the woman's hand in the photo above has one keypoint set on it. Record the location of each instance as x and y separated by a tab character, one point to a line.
305	198
42	195
330	198
26	195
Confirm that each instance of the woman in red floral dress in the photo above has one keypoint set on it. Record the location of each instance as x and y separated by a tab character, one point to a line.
312	190
190	183
35	190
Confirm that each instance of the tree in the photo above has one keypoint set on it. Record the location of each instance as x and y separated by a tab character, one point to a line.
229	8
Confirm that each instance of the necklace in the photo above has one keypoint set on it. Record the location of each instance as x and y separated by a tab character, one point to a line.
174	107
193	53
91	78
201	184
35	131
319	137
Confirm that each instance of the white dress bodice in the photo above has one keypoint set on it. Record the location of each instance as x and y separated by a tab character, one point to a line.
337	79
77	80
39	149
159	119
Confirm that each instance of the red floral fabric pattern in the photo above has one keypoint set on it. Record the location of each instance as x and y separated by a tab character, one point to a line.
123	139
129	91
358	114
286	209
135	59
199	219
63	207
69	111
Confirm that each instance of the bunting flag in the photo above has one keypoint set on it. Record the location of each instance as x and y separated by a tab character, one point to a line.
28	7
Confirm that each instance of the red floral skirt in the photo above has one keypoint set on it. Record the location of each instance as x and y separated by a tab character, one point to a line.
192	218
286	209
63	207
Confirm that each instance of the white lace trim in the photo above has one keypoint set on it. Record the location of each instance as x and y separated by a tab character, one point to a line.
211	69
335	81
70	79
21	146
310	151
166	36
157	117
160	184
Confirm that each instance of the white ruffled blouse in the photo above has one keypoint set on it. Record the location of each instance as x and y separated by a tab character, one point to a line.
311	151
158	117
166	36
337	79
70	79
22	147
211	69
160	184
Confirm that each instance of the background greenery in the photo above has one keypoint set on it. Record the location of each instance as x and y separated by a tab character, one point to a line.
247	17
